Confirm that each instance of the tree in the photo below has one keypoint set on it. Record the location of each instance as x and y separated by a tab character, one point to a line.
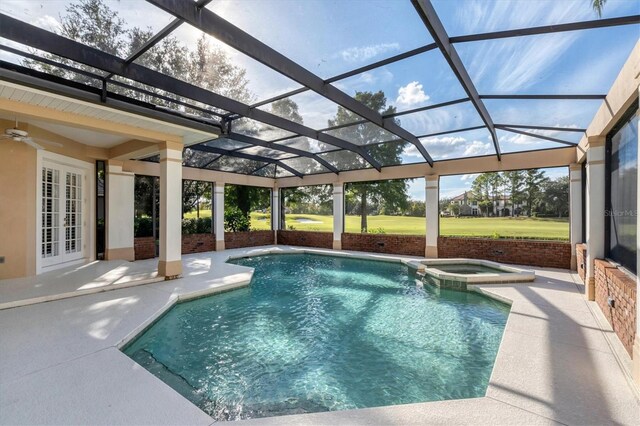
533	182
314	199
247	198
514	182
94	23
495	182
444	203
143	195
598	6
454	208
391	195
288	109
194	192
480	189
556	196
417	208
211	69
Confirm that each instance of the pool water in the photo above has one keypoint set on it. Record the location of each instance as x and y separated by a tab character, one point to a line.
318	333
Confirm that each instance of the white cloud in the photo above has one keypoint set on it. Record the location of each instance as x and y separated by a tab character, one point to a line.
469	176
411	94
475	148
518	139
455	147
523	61
364	81
363	53
47	22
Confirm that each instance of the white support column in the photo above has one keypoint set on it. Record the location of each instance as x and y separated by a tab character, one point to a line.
218	211
635	370
338	215
275	213
170	263
575	210
595	209
433	224
119	212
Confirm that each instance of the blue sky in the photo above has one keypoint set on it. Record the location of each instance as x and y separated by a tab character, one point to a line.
329	37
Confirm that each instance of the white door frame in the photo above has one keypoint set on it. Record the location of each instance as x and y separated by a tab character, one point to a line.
88	208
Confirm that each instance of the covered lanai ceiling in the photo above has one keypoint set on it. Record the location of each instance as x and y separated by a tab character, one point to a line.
324	86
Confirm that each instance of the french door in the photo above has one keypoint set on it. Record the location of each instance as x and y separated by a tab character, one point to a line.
62	212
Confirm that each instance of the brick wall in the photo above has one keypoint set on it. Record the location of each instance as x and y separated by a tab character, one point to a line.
615	284
581	260
198	243
306	239
552	254
248	239
144	247
411	245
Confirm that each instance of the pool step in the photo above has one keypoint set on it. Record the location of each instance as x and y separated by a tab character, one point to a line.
176	381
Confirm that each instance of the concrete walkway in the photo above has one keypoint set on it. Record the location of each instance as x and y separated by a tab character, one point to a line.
60	362
78	280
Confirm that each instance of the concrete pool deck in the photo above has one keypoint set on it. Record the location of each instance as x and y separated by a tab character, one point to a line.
60	363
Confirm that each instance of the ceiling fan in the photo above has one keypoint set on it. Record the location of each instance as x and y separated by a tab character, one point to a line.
18	135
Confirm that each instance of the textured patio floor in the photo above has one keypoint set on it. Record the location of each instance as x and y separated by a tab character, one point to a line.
76	280
60	362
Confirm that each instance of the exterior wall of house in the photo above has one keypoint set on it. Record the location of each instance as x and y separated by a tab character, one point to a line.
119	213
198	243
19	180
602	280
18	208
144	248
581	259
306	238
248	239
548	254
617	299
410	245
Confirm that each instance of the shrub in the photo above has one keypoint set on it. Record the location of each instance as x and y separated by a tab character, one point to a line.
143	227
235	220
196	226
377	231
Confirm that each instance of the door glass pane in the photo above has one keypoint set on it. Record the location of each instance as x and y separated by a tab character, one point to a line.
73	220
50	224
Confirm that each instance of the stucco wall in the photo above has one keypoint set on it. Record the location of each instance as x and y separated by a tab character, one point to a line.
18	209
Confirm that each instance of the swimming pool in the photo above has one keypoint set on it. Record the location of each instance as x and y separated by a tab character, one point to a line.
316	333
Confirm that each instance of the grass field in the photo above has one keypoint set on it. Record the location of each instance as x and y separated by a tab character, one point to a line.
503	227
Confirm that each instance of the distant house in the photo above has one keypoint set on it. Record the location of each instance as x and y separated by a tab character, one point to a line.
468	206
501	207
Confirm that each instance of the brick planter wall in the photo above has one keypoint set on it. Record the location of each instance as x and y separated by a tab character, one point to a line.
248	239
581	260
615	284
410	245
144	247
552	254
198	243
306	239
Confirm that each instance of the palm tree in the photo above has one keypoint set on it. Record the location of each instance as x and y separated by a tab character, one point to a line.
598	5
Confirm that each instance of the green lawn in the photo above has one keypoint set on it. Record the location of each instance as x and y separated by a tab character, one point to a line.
556	229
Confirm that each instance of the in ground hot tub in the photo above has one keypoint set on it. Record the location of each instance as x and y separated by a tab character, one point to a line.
458	273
